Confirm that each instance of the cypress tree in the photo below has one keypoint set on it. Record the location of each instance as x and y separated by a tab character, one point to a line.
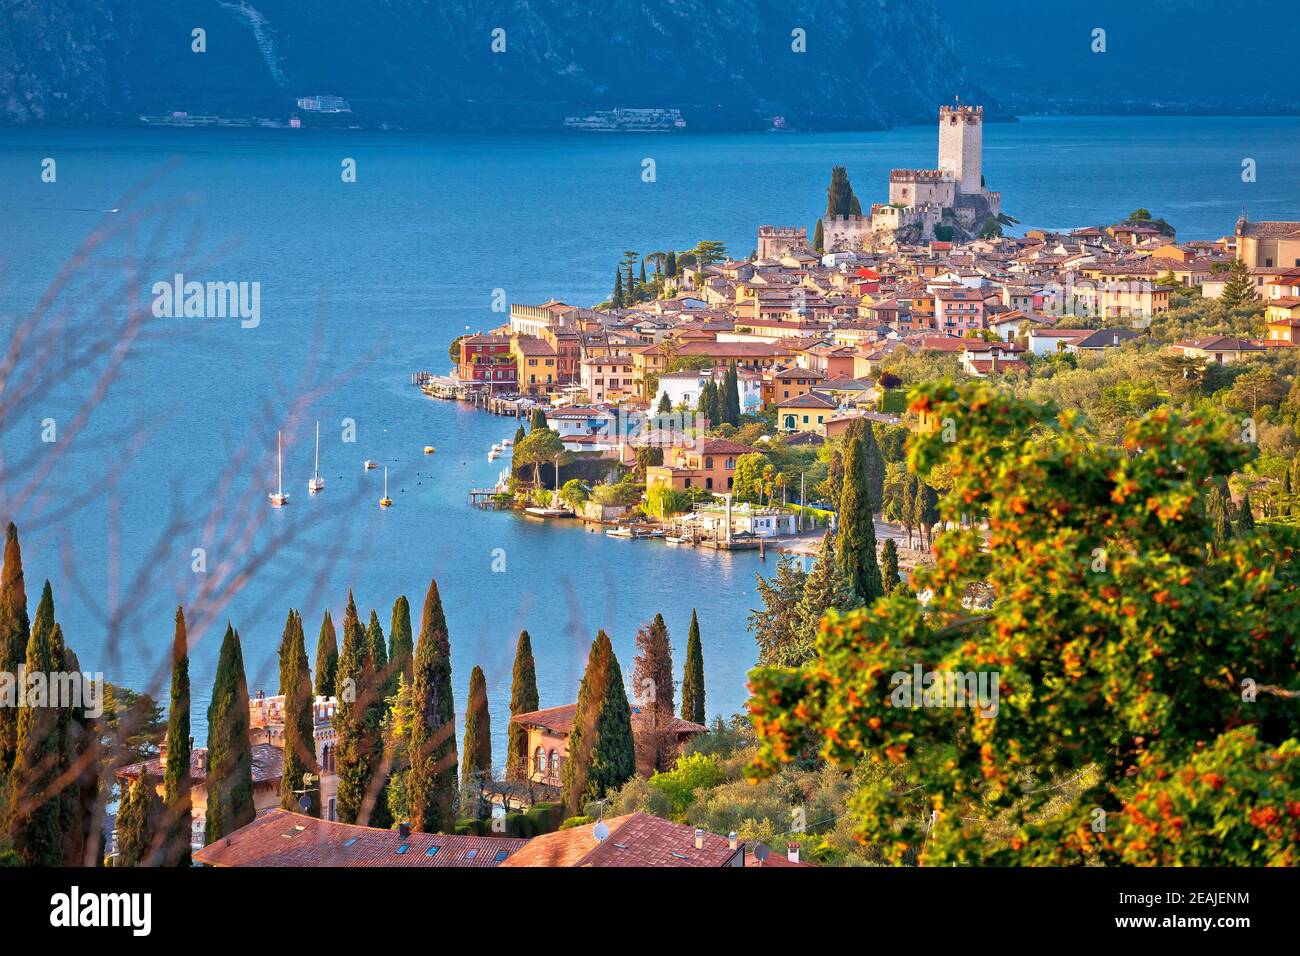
82	835
652	676
693	678
915	509
176	773
355	748
1216	512
1245	517
34	827
299	729
825	587
665	406
873	460
282	653
732	411
377	650
602	750
230	754
889	565
670	266
840	200
819	238
643	272
929	507
857	538
523	700
477	764
617	298
537	421
401	643
15	629
137	819
431	746
327	658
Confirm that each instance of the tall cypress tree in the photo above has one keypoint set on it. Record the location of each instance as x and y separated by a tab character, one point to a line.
15	630
354	688
230	754
601	748
378	652
693	678
82	835
1216	512
889	577
670	264
137	820
857	539
176	773
840	200
299	728
401	642
617	298
1245	517
431	746
32	816
652	676
327	658
523	700
477	759
536	421
282	653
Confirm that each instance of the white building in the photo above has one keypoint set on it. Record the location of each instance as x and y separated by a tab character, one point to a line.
685	387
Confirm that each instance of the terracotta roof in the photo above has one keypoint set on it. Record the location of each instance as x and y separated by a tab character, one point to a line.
1271	230
637	839
1217	343
808	400
281	838
268	765
725	446
560	720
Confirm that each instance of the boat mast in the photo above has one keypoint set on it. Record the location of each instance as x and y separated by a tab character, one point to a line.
279	467
316	473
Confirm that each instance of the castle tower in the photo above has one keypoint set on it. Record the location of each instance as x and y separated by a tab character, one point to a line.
961	145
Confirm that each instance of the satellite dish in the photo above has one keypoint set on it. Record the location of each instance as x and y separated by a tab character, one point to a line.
761	852
601	831
304	804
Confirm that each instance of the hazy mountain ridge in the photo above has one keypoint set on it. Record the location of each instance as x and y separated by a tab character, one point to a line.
726	63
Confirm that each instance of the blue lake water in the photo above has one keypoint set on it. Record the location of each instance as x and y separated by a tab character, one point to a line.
363	283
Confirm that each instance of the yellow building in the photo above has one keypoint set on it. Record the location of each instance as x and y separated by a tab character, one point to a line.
807	413
1267	245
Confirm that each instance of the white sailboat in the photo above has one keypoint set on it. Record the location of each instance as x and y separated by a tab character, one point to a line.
278	498
385	501
317	483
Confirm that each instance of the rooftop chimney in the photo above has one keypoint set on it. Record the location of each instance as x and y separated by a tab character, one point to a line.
403	830
731	840
792	852
699	839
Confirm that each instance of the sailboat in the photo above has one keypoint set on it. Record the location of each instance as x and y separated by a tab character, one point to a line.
278	498
317	483
385	501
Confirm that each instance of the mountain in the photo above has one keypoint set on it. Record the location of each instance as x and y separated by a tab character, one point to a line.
414	63
1161	56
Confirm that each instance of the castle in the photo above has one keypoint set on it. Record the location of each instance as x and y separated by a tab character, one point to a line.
777	241
924	204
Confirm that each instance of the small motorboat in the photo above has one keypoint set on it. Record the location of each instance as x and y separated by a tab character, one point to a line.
429	449
371	463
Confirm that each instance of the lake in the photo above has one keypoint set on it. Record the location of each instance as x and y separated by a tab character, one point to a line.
362	284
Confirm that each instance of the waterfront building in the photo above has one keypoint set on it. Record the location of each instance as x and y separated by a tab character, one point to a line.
708	463
487	360
536	363
684	387
1268	244
607	377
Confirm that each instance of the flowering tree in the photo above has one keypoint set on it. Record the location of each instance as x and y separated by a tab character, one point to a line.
1143	710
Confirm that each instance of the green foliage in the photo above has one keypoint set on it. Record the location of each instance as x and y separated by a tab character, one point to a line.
1112	676
523	700
819	238
476	765
601	750
777	625
692	772
825	587
327	658
299	728
889	565
840	199
666	501
857	529
15	629
137	822
747	480
401	643
176	774
1239	290
355	746
230	756
693	707
574	493
580	820
545	817
431	743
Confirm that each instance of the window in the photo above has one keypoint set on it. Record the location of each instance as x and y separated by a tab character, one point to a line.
432	851
805	419
349	841
688	482
708	463
554	763
708	483
731	464
539	755
403	848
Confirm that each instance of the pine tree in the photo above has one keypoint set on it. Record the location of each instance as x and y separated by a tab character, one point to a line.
1245	517
665	406
230	754
1239	290
693	678
299	729
15	630
327	658
857	538
523	700
355	745
176	772
32	816
431	746
776	626
602	750
477	763
401	643
825	587
889	566
819	238
137	820
652	676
